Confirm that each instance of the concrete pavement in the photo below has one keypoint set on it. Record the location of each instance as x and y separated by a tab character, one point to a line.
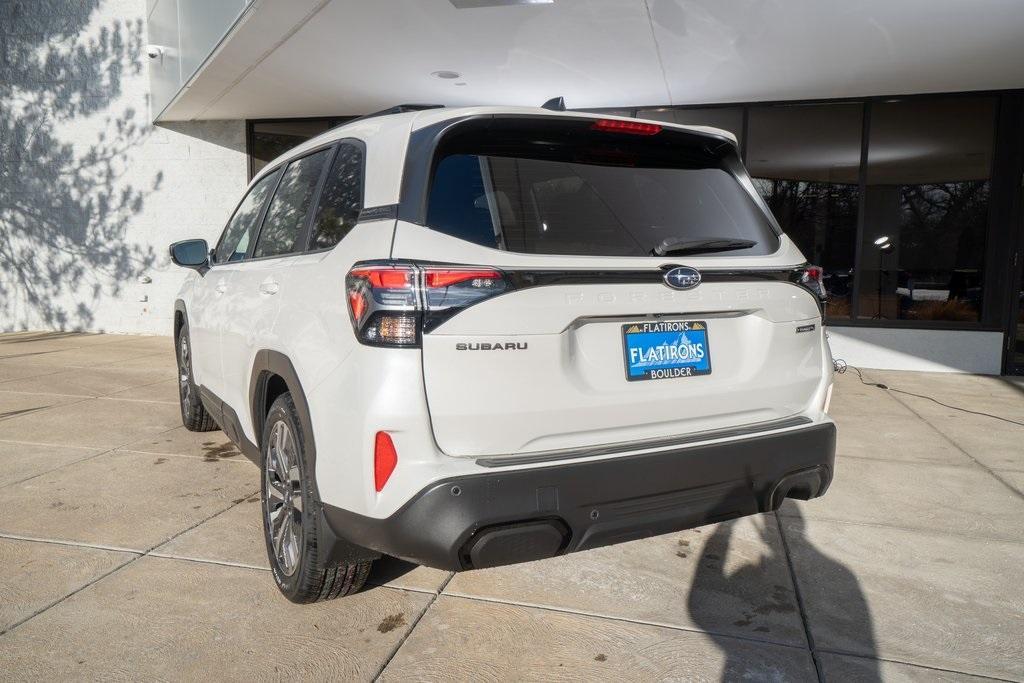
131	549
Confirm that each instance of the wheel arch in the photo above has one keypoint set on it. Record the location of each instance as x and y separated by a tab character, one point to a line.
272	375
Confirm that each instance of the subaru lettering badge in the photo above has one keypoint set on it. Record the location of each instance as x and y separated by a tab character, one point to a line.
682	277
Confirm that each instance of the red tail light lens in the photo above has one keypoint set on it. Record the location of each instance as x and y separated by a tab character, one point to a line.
446	278
813	278
631	127
382	303
385	458
391	304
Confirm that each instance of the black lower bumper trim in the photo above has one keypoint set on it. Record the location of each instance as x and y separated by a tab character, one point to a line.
510	516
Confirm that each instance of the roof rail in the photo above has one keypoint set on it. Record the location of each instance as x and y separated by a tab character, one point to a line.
397	109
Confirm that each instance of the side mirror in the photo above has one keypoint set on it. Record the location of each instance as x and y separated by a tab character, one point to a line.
191	254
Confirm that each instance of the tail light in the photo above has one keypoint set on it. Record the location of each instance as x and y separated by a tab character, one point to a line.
391	304
812	278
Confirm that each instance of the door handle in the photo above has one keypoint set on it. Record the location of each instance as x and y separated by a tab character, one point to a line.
222	286
269	287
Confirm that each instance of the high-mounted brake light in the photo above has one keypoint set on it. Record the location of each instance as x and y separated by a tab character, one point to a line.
631	127
391	304
385	458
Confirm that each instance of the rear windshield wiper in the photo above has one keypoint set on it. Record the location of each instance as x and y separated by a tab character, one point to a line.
675	246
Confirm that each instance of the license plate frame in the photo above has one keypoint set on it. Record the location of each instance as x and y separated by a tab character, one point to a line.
656	360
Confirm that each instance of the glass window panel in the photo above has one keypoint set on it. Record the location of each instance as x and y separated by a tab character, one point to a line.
1017	329
234	243
534	186
805	162
341	199
271	139
926	209
286	215
726	118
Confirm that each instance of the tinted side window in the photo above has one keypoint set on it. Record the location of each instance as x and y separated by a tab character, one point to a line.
341	199
234	243
286	217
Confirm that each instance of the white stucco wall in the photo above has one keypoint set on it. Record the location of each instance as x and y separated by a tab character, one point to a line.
91	193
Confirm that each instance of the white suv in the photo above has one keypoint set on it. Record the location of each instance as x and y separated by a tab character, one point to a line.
471	337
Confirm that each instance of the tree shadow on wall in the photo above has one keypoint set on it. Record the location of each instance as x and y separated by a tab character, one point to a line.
65	206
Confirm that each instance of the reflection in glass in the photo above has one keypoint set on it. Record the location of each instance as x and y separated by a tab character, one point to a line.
271	139
234	243
286	216
805	163
341	199
926	209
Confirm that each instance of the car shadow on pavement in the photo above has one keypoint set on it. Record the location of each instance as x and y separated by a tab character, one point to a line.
387	569
854	621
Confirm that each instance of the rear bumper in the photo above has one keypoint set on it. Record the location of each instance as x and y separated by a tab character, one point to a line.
502	517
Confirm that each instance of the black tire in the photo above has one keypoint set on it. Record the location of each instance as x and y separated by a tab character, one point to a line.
193	413
290	509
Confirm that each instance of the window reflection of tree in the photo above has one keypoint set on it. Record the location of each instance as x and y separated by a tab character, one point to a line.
341	199
942	249
821	218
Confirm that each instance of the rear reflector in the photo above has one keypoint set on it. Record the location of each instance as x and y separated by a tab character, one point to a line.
631	127
385	457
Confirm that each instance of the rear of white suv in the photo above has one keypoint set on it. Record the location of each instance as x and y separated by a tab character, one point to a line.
543	333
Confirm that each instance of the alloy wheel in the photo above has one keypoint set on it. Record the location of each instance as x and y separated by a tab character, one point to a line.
284	497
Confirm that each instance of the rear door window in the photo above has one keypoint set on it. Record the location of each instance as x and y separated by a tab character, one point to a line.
285	224
234	243
341	199
557	187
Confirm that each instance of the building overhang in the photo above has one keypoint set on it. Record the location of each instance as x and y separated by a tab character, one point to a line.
290	58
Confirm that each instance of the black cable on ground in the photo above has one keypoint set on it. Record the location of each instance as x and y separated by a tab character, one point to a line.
841	368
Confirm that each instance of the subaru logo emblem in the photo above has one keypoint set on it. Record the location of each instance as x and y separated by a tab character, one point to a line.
682	277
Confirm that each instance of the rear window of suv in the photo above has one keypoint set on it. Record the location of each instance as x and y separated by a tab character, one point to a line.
558	186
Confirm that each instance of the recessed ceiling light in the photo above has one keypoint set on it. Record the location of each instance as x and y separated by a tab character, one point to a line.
461	83
447	75
473	4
